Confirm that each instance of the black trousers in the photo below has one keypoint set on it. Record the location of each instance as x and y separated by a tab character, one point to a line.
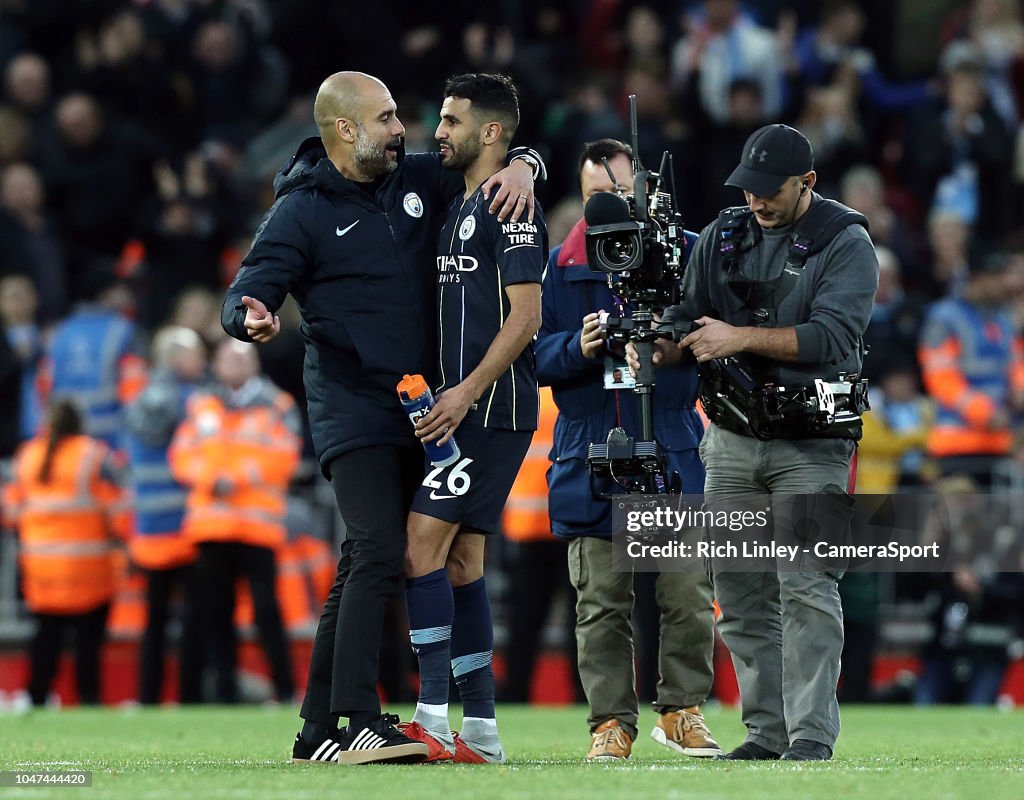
539	576
48	642
374	487
220	566
161	585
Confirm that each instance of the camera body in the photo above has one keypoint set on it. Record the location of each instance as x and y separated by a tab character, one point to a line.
637	240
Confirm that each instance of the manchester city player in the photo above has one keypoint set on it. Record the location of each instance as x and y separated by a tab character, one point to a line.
488	300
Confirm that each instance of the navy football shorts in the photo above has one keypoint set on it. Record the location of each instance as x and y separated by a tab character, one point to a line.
473	490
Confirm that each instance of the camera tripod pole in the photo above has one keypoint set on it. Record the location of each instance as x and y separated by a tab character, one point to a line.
643	341
645	388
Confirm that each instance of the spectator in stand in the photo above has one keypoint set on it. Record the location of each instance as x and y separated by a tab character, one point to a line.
659	122
862	188
27	91
834	44
644	39
961	148
721	45
185	228
240	84
993	34
895	320
66	503
548	49
973	367
97	179
119	66
719	144
18	303
27	83
23	201
949	237
829	120
891	453
585	114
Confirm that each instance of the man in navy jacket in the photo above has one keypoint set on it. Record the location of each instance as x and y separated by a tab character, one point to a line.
352	236
572	357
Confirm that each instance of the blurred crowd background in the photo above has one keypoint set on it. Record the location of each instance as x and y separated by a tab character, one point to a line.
138	141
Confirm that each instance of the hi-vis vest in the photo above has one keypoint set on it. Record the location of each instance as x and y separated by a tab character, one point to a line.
67	526
971	363
526	510
90	361
157	541
253	451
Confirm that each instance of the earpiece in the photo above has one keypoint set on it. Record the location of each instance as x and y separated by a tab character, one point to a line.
803	188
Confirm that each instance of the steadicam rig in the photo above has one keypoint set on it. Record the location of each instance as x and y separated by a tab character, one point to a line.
637	240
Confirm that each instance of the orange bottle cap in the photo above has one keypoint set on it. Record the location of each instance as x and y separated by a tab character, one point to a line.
413	386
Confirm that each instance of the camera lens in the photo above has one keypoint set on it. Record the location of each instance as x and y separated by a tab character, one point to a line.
618	253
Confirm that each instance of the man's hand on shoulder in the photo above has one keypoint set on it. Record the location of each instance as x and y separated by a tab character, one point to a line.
260	324
514	194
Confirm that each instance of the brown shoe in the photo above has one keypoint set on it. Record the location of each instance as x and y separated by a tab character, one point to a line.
610	742
686	732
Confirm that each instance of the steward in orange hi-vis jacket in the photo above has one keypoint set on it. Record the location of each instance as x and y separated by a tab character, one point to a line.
236	451
67	505
973	367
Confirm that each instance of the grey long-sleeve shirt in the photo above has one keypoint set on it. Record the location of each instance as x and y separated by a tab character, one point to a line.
830	304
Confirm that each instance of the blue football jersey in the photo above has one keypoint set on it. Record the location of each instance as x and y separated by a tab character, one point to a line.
477	258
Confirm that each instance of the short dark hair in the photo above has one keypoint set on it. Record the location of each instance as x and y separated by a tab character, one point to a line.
488	92
833	8
603	148
746	85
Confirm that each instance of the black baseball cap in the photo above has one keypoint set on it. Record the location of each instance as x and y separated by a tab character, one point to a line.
772	154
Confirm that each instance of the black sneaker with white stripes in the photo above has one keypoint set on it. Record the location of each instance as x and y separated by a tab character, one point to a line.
380	741
322	752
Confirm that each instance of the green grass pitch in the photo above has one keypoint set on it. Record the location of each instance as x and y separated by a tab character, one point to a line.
244	752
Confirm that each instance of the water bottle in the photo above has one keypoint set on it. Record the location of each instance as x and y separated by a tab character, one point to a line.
417	400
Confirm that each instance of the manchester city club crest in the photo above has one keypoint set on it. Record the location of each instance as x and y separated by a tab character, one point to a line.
413	205
467	228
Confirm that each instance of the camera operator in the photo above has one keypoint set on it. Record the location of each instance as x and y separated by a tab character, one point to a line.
789	297
573	357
